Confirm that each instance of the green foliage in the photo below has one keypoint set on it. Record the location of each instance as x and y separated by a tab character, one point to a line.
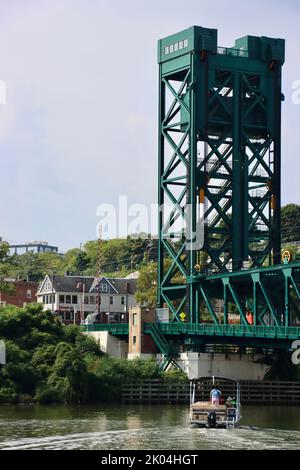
119	257
175	375
6	261
34	266
290	223
147	285
8	395
281	367
48	362
47	395
68	373
45	359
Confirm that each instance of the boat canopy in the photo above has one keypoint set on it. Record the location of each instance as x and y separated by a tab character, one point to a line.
214	378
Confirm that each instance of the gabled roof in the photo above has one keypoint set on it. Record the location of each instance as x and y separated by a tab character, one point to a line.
118	285
70	283
123	285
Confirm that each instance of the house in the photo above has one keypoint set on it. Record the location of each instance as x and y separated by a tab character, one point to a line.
25	292
73	298
67	296
117	295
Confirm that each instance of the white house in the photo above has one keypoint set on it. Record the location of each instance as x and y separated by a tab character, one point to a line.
74	297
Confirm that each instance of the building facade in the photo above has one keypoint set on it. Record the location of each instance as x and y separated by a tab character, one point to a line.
73	298
33	247
24	293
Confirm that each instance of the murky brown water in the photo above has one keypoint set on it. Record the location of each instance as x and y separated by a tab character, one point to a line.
142	427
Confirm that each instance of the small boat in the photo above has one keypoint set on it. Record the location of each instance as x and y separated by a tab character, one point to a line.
205	414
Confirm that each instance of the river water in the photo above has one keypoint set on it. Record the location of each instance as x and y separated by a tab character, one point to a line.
142	427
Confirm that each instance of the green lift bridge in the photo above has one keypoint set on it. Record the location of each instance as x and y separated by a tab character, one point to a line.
219	173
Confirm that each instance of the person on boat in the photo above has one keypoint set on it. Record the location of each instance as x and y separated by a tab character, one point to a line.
229	402
215	396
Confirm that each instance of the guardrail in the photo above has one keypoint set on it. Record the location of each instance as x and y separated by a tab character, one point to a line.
205	329
113	328
232	51
270	332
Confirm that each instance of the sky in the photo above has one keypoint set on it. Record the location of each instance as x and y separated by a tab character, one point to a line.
79	127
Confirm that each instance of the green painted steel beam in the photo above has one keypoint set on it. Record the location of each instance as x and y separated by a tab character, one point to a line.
240	331
219	146
117	329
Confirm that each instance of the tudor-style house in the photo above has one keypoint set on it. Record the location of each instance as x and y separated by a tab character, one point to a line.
73	298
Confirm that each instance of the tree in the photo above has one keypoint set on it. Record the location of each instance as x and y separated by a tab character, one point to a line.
290	223
146	293
34	266
82	262
5	265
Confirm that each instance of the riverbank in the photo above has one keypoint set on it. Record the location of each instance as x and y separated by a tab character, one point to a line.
48	362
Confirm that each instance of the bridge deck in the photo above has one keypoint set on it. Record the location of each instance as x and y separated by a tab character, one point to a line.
194	329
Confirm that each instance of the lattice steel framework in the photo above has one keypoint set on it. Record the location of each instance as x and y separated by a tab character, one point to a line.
219	161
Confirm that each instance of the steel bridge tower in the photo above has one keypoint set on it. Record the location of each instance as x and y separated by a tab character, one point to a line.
219	163
219	167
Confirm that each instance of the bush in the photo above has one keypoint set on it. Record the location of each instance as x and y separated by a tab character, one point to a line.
24	398
57	363
8	395
175	375
47	395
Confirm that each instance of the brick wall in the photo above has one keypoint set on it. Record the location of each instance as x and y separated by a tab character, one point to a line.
25	293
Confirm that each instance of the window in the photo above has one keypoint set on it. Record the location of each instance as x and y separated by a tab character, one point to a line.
134	317
47	299
86	299
134	340
68	299
111	300
29	294
92	299
44	299
103	287
176	46
122	300
61	299
67	316
74	299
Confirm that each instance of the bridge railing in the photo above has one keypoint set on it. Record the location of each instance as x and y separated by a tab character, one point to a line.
231	330
205	329
114	328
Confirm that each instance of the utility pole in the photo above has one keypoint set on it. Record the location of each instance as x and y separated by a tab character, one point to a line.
81	285
52	294
99	269
82	304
